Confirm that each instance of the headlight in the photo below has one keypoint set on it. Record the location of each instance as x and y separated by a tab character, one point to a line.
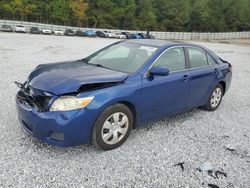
66	103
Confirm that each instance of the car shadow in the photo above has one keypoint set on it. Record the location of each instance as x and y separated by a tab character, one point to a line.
170	123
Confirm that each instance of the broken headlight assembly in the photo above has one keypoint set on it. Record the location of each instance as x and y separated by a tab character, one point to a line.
67	103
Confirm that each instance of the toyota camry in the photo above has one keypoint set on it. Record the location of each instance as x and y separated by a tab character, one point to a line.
101	98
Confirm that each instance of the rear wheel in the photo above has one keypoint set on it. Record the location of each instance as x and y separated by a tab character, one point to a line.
215	99
112	127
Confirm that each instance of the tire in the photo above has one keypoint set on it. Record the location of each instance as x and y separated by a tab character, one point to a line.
214	99
112	127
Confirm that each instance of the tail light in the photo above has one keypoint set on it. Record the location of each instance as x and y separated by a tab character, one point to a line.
230	67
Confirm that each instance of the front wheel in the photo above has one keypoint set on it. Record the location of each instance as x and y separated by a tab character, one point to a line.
112	127
215	99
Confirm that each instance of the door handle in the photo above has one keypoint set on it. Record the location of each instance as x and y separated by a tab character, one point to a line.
215	71
185	78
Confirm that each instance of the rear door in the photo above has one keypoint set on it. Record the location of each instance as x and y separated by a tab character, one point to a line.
203	75
166	95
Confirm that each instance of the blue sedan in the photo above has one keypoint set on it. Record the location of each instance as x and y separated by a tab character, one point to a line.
101	98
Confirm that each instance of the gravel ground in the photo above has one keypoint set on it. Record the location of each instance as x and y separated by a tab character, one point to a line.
148	157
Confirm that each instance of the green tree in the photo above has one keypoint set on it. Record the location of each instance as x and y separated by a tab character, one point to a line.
100	13
199	16
125	14
78	8
60	11
145	15
163	15
173	15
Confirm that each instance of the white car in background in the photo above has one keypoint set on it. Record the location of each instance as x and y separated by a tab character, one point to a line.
120	36
46	31
115	35
58	32
109	34
20	29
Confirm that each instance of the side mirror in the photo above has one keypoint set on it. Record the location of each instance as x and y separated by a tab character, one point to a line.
159	71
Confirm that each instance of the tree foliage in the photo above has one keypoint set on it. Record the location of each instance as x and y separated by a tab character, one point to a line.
162	15
78	8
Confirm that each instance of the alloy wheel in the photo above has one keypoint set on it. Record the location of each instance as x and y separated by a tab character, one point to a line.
216	97
115	128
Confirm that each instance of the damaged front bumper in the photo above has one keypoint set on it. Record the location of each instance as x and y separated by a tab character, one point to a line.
56	128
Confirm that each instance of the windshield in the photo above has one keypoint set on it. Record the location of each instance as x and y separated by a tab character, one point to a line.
122	57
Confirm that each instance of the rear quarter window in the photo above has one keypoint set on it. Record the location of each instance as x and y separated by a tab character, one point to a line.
211	60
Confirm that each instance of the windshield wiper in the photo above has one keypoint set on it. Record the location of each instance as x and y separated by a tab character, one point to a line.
98	65
85	60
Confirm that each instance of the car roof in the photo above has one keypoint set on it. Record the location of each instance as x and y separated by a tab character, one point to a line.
166	44
155	42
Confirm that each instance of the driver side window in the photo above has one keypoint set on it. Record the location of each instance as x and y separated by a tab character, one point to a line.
173	59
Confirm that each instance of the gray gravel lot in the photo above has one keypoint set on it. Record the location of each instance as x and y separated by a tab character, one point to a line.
148	157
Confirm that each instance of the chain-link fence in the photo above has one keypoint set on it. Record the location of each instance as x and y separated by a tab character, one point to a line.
158	35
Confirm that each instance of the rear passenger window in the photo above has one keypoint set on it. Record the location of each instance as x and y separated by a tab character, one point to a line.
211	60
173	59
197	57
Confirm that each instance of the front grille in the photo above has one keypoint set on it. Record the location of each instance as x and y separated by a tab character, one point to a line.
42	102
29	96
25	99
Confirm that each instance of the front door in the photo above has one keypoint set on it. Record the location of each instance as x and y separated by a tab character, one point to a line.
166	95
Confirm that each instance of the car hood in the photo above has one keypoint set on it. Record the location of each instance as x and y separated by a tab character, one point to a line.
68	77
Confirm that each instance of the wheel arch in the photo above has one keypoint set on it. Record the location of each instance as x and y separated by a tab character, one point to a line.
223	84
132	108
